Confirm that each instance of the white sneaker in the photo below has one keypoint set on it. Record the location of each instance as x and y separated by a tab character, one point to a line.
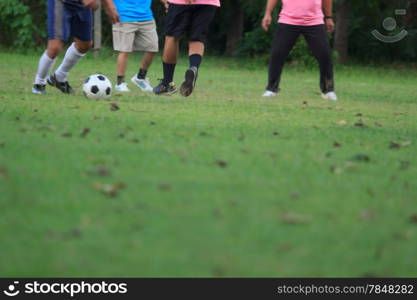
269	94
121	87
143	84
330	96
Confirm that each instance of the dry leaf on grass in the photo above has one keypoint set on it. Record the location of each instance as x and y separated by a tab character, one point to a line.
342	123
398	145
294	219
109	189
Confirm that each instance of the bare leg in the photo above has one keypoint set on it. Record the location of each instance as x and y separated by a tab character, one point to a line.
147	60
122	63
195	47
171	50
54	48
83	46
169	58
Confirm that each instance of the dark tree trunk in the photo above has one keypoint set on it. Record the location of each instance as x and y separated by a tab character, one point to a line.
341	43
235	26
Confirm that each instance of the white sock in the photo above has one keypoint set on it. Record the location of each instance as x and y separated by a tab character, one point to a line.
72	56
45	65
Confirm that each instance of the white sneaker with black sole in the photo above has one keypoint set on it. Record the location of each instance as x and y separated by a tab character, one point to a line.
143	84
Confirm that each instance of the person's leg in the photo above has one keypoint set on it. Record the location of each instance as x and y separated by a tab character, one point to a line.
80	26
121	66
47	61
75	52
123	42
145	64
169	58
285	38
176	23
146	41
201	18
318	42
195	53
57	34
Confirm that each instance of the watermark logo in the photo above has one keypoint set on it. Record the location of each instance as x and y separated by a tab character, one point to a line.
70	289
11	290
390	25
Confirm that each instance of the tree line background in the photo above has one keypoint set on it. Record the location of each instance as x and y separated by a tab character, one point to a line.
236	29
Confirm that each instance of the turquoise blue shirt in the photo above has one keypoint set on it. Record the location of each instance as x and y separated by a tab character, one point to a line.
134	10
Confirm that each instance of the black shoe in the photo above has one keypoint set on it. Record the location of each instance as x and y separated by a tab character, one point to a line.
163	89
39	89
62	86
188	85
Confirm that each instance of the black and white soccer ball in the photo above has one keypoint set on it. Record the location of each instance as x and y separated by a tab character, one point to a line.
97	87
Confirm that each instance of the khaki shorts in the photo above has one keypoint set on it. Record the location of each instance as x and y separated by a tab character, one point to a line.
135	36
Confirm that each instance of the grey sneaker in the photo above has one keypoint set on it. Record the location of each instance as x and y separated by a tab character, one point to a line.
143	84
162	89
39	89
188	85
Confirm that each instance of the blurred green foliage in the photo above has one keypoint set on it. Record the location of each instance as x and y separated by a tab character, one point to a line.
23	26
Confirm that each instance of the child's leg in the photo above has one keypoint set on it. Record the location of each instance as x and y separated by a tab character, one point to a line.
74	53
47	60
56	37
81	25
169	58
200	21
146	41
145	64
195	53
121	66
177	22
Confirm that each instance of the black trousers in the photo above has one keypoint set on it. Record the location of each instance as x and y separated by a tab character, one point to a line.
285	39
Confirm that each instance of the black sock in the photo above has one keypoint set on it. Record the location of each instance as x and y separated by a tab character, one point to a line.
169	70
195	60
120	79
142	73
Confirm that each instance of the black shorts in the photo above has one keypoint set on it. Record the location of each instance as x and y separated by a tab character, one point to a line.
190	20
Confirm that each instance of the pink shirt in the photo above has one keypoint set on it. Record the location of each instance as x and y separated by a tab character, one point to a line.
302	12
203	2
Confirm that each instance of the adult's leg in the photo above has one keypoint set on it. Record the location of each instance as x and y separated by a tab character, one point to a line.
318	42
285	38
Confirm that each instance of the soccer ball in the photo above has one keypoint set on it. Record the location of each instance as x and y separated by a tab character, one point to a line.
97	86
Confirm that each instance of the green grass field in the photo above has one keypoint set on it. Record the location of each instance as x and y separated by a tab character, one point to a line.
223	183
